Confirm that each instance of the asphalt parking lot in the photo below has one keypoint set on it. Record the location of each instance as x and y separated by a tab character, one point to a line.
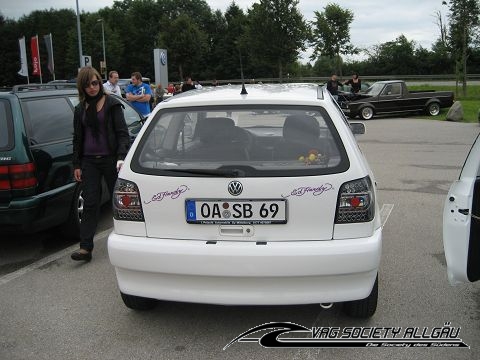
54	308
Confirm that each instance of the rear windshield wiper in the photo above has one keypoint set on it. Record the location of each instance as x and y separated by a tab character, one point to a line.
231	172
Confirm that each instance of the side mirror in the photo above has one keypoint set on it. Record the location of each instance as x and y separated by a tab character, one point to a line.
357	128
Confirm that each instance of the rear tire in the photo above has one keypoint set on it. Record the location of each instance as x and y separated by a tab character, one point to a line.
366	113
138	302
71	228
364	308
433	109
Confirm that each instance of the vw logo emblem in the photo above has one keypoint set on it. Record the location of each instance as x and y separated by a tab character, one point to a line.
235	188
163	58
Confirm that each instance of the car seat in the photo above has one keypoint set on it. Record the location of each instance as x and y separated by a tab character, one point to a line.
300	136
220	139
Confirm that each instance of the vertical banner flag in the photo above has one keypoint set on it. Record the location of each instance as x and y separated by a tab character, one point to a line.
49	45
35	56
23	58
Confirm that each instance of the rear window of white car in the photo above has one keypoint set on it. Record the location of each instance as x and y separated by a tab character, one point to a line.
241	141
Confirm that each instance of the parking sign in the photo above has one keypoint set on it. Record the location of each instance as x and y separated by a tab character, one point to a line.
86	60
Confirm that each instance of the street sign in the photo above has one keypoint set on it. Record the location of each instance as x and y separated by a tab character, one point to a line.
103	67
86	60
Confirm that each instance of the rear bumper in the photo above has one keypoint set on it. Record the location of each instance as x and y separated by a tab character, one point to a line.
241	273
35	213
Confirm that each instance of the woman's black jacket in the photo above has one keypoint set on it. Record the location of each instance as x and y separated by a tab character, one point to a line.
117	131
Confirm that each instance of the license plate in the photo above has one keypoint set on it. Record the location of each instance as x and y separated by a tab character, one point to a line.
236	212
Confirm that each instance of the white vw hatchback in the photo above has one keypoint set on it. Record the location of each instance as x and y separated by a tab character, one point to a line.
247	197
461	222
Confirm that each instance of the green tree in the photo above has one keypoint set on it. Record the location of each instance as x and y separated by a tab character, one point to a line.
324	66
230	45
138	28
184	41
441	58
197	10
464	21
209	25
299	70
114	46
394	57
93	44
276	33
331	34
10	54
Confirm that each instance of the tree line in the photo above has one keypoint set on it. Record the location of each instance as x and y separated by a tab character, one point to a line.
265	41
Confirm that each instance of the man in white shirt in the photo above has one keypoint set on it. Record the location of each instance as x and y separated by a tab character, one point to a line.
111	85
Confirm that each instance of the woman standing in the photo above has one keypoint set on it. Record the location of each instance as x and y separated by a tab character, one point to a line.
100	143
355	83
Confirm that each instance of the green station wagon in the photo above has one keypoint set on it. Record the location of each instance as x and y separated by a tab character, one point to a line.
37	189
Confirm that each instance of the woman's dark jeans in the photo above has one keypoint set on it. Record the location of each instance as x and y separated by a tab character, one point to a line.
93	169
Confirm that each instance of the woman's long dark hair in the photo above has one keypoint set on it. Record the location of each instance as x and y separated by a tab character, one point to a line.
83	81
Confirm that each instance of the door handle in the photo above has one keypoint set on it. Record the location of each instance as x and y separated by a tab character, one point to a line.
463	211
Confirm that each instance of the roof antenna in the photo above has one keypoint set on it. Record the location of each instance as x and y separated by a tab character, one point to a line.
244	91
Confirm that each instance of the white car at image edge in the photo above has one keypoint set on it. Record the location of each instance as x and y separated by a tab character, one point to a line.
461	222
247	197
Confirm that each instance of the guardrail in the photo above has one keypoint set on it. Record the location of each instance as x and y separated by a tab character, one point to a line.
369	78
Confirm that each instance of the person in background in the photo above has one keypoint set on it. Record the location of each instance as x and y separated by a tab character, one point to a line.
111	86
355	83
139	94
188	84
178	89
159	92
100	144
333	85
152	98
171	88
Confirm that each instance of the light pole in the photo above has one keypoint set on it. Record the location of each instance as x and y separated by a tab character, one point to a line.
80	51
103	43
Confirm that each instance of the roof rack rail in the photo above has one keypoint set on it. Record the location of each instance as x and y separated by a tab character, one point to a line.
35	87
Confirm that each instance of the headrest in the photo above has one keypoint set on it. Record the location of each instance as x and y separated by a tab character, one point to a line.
209	129
300	128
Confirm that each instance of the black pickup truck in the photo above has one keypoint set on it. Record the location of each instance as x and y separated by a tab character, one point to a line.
391	97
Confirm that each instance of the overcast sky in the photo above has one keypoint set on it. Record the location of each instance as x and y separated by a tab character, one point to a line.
375	21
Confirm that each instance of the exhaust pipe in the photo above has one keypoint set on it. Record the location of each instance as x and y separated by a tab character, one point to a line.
326	306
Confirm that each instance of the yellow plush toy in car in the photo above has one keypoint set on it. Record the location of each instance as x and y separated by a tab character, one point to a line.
313	157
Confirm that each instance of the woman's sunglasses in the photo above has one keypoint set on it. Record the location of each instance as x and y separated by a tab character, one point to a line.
93	83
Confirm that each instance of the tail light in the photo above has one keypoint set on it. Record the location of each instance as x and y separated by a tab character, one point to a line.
356	202
127	205
16	177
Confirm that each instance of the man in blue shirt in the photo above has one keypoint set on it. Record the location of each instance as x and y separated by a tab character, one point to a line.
139	94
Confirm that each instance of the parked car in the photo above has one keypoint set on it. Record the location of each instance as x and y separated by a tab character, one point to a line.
461	222
63	81
247	197
393	97
37	189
